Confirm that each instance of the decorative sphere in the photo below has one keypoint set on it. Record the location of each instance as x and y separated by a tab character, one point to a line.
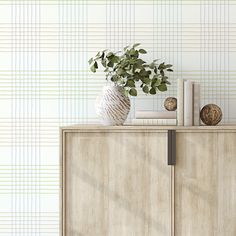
211	114
170	104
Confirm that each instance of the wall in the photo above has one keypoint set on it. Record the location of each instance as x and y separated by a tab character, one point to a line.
45	82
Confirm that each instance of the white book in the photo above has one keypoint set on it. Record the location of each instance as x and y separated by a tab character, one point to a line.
154	122
180	102
155	115
188	103
196	104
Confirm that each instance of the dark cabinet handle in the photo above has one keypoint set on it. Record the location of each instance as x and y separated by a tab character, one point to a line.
171	147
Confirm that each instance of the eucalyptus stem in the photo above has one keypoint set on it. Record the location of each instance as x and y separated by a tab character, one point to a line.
126	69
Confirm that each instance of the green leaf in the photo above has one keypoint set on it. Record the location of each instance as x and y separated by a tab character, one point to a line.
109	54
161	66
110	64
103	54
170	70
168	66
132	61
167	82
130	83
98	54
93	69
95	64
126	92
162	87
136	45
155	70
133	92
164	78
120	71
136	55
132	52
114	59
140	61
136	66
129	72
146	80
144	73
136	77
142	51
155	82
104	63
145	89
162	73
123	63
152	91
152	65
90	60
156	76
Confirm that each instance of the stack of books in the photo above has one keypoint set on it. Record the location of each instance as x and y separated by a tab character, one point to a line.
155	118
188	103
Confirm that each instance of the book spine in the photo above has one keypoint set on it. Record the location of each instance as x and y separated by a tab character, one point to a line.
180	102
154	121
196	104
188	103
155	115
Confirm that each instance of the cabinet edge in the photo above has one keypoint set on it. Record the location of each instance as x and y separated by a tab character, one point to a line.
62	186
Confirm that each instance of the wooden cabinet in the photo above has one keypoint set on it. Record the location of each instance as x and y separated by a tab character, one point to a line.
205	184
116	182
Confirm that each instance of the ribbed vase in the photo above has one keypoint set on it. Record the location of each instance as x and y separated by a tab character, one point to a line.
112	106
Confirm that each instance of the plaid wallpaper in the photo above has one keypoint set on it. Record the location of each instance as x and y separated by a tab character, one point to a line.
45	82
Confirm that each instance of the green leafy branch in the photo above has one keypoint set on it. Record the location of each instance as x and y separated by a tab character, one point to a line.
126	68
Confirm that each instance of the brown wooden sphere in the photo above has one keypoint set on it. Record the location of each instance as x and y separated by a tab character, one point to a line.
170	104
211	114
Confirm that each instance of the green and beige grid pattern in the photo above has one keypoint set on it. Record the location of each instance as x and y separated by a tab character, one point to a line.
45	82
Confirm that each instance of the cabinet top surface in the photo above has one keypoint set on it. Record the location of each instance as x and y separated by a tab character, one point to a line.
98	127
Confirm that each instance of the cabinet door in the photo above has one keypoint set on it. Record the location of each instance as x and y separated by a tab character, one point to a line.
116	184
205	184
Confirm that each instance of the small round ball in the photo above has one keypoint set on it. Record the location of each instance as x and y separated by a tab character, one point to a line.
211	114
170	104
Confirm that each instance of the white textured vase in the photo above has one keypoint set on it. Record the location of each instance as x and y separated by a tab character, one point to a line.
112	106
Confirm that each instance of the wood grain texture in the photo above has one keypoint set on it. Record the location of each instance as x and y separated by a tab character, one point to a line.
128	189
205	184
154	128
116	184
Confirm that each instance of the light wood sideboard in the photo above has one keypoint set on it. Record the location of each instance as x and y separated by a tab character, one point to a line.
122	181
